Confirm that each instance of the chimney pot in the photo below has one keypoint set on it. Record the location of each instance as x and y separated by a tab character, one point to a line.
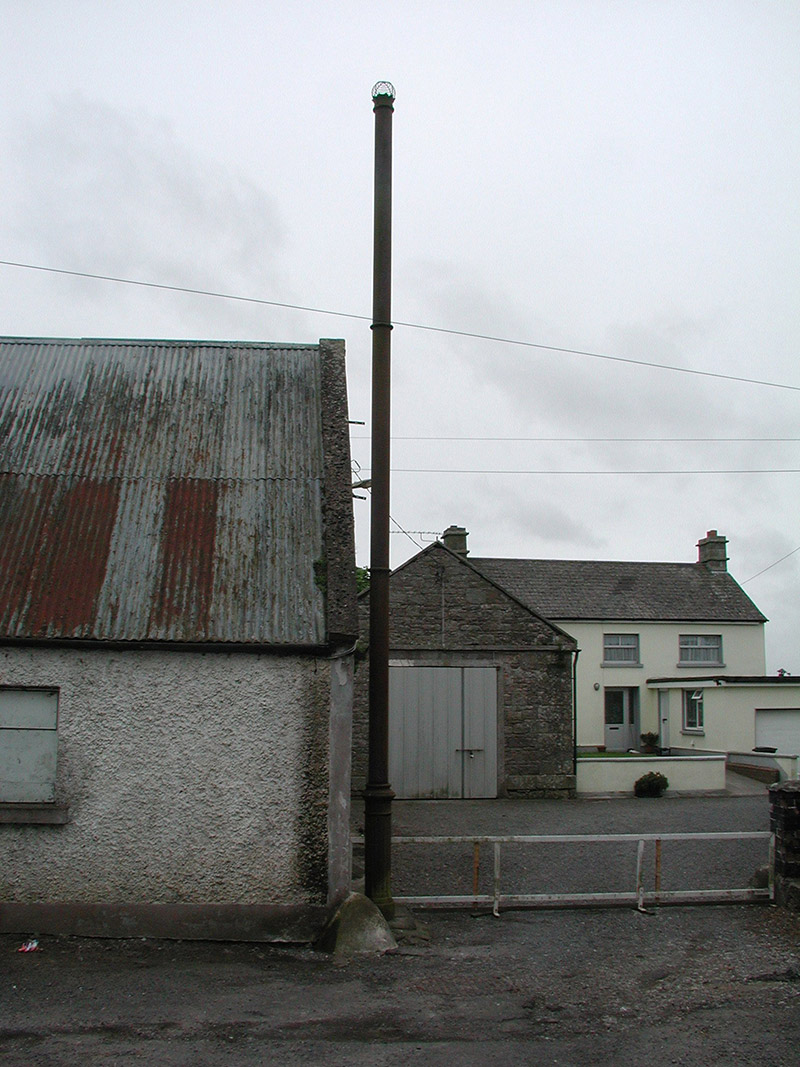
455	538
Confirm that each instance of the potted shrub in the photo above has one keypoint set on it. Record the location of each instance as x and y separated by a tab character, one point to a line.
649	742
652	784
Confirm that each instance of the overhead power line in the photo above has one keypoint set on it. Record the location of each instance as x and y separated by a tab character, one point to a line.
406	533
769	568
598	440
495	338
594	473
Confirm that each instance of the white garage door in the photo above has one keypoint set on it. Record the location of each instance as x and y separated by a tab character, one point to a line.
780	728
443	732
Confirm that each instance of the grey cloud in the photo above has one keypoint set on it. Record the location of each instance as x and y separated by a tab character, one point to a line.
110	192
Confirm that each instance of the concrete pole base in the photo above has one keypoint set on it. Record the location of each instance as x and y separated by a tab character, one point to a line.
357	927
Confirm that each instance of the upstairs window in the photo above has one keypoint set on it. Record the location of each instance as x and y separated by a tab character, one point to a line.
700	649
28	745
621	650
693	711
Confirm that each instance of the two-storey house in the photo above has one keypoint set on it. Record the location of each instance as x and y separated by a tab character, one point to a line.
653	637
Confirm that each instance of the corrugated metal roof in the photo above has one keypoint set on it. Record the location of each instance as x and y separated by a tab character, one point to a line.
161	491
597	589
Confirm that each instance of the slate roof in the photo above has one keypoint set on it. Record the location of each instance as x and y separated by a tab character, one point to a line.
567	589
174	491
438	546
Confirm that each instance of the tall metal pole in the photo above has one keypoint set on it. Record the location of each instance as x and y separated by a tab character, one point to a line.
378	795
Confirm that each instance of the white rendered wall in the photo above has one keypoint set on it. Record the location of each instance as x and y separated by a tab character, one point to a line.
742	650
729	715
190	778
688	773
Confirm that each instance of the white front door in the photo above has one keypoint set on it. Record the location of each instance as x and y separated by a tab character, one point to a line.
620	719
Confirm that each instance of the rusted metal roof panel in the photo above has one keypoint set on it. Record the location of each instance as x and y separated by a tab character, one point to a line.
162	491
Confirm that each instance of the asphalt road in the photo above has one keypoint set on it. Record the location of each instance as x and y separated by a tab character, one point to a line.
605	988
689	986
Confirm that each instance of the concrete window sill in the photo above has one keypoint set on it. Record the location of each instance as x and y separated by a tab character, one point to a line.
34	814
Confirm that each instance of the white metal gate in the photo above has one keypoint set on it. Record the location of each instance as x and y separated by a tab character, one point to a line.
443	732
638	896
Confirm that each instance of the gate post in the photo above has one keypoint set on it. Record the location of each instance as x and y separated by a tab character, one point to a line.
784	805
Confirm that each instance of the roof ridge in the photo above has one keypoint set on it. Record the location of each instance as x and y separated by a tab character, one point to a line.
135	341
614	562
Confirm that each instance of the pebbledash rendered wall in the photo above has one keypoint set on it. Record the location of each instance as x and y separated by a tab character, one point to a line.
198	793
444	613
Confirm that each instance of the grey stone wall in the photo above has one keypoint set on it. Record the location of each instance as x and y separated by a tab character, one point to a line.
445	613
784	802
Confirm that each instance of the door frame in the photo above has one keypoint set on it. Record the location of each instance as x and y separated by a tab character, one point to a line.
630	712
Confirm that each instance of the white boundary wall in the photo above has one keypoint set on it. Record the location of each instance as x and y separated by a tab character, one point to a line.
609	774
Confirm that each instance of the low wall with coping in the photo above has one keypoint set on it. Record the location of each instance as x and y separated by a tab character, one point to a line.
760	764
610	774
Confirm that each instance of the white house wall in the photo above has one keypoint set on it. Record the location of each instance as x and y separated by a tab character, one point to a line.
729	715
742	649
190	778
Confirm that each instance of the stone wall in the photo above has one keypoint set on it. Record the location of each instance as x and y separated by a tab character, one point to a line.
444	613
784	799
537	716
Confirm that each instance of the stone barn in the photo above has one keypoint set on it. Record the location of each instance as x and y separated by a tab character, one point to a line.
481	687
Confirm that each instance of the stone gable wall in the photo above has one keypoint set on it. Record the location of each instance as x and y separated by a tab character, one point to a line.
437	602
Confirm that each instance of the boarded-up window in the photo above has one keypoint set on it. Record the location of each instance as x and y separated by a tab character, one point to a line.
28	745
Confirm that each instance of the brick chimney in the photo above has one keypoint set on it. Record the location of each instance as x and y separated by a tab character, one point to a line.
712	550
455	538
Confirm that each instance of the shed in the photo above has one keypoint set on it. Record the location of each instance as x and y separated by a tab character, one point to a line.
177	622
481	687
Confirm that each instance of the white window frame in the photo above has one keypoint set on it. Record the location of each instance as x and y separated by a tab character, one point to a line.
692	709
626	647
700	650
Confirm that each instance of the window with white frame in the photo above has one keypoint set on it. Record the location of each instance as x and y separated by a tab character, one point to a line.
621	650
700	648
28	745
693	710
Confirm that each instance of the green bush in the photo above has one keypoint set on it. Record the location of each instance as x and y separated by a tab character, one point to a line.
651	784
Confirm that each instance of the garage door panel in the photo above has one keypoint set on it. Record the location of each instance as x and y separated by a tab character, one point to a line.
434	714
780	729
480	732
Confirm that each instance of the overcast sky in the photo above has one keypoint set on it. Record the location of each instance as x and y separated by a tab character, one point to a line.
615	177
